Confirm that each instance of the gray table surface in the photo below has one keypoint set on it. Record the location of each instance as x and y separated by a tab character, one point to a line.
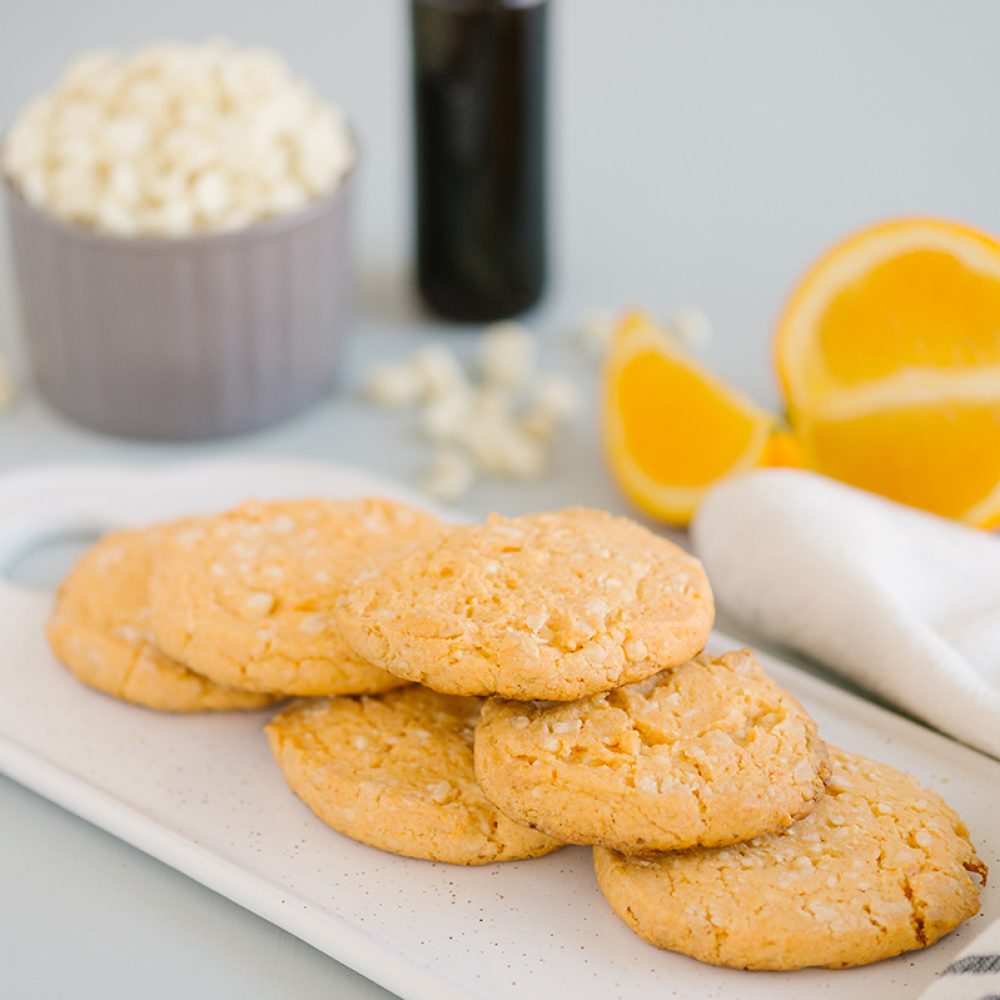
702	152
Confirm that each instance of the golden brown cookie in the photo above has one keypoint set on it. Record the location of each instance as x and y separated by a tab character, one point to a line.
557	606
880	866
100	629
711	752
395	771
246	597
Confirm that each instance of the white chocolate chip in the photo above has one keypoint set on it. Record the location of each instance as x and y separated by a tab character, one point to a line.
804	771
259	603
392	385
443	417
313	624
557	396
636	650
507	354
130	634
437	371
174	139
647	783
567	726
449	476
439	792
595	332
537	620
691	327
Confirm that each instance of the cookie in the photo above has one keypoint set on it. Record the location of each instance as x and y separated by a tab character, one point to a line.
246	597
711	752
555	606
879	867
395	771
100	629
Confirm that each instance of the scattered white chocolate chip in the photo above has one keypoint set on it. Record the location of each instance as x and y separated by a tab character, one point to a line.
449	476
501	425
557	395
507	354
443	418
595	332
691	327
438	371
392	385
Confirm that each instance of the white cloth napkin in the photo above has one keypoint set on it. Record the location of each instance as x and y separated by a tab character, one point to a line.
905	603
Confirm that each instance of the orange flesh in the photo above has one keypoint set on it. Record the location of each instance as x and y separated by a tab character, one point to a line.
944	458
678	428
922	309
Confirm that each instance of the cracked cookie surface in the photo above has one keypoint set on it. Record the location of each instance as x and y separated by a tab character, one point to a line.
395	771
246	597
100	630
556	605
711	752
879	867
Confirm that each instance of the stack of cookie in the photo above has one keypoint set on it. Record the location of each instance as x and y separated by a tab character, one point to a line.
232	611
491	692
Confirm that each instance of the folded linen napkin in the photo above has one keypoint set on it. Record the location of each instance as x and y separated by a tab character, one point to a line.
905	603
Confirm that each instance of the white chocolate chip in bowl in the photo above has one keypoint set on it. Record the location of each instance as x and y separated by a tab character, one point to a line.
182	186
216	132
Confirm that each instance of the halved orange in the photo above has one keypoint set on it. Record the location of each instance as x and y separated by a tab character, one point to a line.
671	429
889	355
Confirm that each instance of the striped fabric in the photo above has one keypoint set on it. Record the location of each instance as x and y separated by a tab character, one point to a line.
974	975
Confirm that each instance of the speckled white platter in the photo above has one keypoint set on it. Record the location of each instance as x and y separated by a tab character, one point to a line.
202	794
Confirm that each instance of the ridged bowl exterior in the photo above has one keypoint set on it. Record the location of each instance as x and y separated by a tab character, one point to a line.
192	337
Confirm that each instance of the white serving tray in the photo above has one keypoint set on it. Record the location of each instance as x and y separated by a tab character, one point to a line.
202	794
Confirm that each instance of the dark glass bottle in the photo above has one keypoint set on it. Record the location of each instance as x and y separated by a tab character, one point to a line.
479	101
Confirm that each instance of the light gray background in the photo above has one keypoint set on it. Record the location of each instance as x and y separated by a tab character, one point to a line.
702	152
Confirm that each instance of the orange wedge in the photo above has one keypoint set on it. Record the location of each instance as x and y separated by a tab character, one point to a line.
671	429
889	355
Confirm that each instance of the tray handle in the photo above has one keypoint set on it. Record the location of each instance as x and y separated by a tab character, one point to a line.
27	529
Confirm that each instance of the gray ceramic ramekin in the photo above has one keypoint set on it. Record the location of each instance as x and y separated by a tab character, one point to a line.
191	337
